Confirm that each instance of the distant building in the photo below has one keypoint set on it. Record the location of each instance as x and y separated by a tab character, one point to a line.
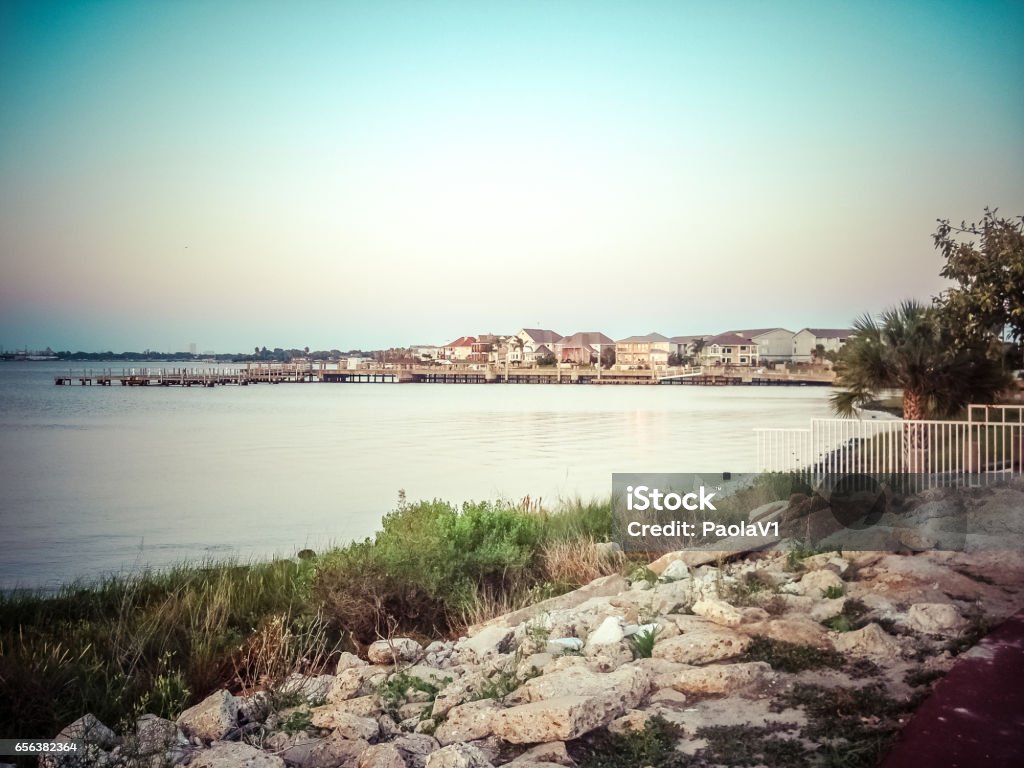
192	348
773	344
729	349
458	350
686	346
582	348
643	351
533	340
807	340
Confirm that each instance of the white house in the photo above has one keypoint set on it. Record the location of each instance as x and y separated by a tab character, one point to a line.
807	340
536	342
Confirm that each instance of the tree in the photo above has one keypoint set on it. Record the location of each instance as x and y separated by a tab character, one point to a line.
607	357
988	299
912	349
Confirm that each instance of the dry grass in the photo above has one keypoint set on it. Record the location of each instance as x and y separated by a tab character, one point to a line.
574	562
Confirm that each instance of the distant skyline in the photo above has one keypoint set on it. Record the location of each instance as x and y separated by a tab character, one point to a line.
341	175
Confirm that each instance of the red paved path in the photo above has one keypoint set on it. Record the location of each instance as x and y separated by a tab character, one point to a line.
975	714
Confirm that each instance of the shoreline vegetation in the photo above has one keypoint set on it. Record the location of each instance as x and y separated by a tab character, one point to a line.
159	641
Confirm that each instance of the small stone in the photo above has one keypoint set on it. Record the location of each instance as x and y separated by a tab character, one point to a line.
675	571
609	632
381	756
345	724
869	641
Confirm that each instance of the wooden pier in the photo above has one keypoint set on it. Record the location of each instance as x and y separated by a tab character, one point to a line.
318	372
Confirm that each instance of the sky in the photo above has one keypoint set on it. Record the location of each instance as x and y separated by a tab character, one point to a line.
365	175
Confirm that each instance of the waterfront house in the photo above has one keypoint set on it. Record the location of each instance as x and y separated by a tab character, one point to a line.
459	350
807	340
686	346
643	351
773	344
729	348
582	348
526	345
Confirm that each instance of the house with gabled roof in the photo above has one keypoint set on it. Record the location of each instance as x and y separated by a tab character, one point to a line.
458	350
582	348
807	340
730	348
527	344
773	344
642	351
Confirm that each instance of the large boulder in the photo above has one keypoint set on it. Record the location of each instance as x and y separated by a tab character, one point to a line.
558	719
935	618
395	651
381	756
485	644
345	724
212	718
721	678
702	642
871	641
467	722
625	686
335	751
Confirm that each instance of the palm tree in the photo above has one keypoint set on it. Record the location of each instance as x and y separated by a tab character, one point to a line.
909	348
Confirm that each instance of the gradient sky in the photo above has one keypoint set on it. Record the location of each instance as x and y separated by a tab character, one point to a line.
340	174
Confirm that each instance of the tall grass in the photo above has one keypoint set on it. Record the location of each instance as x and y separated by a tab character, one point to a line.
161	641
154	642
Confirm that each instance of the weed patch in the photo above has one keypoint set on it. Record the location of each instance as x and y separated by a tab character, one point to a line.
792	657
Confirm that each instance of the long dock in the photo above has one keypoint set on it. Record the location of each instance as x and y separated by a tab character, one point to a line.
319	373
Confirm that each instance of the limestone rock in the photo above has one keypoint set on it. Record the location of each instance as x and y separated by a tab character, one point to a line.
344	724
348	660
869	641
935	618
381	756
827	609
563	644
817	583
486	644
458	756
718	611
336	751
551	753
558	719
415	748
311	688
212	718
295	749
235	755
348	683
610	632
701	642
721	678
364	706
634	720
160	738
467	722
396	651
624	687
675	571
798	629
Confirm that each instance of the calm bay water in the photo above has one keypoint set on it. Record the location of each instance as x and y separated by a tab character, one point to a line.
96	480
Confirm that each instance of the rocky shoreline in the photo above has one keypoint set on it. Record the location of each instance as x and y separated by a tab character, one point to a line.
705	656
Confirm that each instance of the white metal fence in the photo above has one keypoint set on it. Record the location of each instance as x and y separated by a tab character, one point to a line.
990	441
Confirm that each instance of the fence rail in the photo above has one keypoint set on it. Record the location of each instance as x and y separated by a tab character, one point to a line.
989	442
